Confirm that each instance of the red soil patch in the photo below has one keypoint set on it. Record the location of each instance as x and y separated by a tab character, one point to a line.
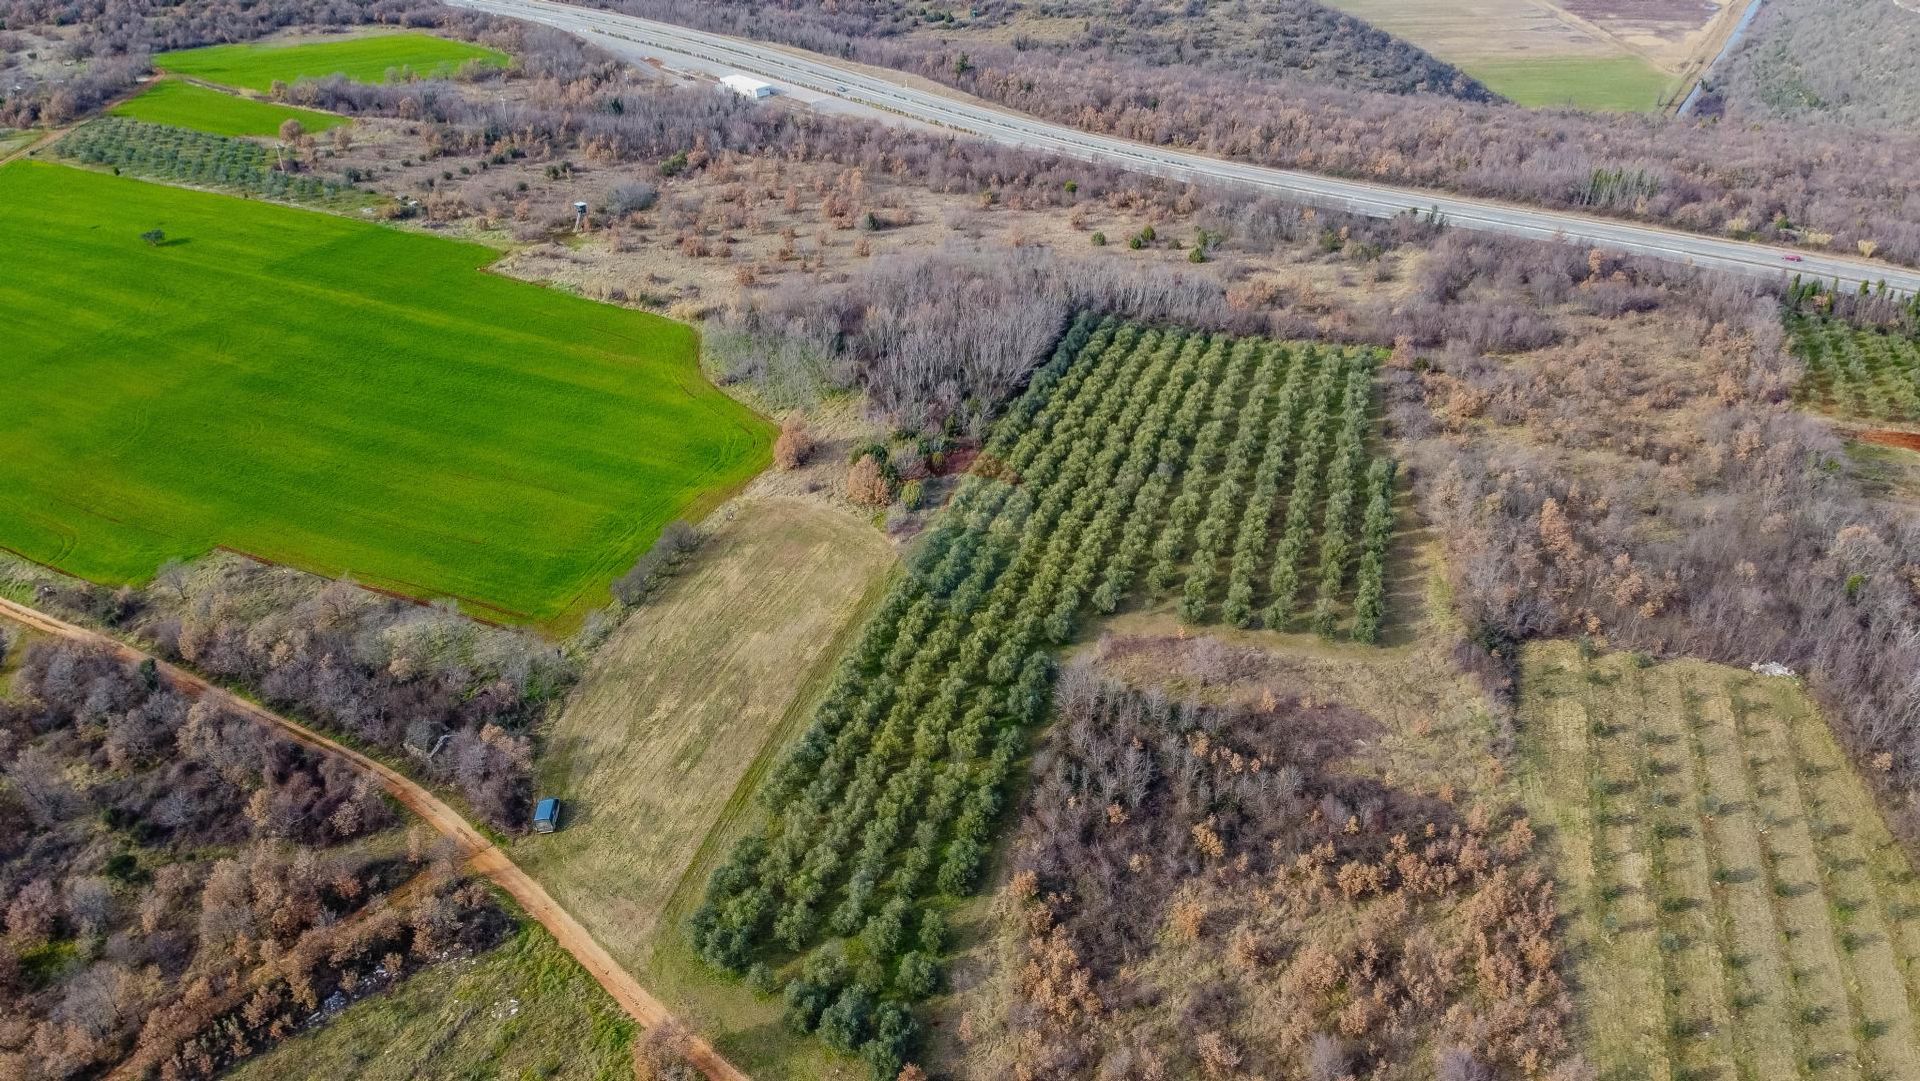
959	460
1908	440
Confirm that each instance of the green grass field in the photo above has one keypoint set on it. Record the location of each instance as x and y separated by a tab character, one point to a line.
1621	84
185	105
521	1010
366	58
336	395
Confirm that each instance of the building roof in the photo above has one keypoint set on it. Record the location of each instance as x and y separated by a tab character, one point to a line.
746	83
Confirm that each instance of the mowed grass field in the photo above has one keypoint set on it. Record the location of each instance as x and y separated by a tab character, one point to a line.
187	105
364	58
523	1009
1615	83
340	396
661	747
1735	903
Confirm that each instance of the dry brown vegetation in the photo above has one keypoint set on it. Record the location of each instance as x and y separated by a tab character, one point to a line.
1232	878
1776	180
450	698
182	887
1831	63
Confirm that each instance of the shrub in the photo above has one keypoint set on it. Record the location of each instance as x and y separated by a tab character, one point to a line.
867	483
661	1055
632	197
659	562
918	977
795	444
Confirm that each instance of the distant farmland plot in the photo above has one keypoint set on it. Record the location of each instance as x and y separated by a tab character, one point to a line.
364	58
1592	54
1618	83
1736	904
335	395
185	105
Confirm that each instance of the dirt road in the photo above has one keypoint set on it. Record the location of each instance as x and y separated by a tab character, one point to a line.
483	856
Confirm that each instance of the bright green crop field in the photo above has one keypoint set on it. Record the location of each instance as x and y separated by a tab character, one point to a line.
335	395
186	105
1607	84
365	58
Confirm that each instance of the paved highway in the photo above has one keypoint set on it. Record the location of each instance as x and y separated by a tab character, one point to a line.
813	75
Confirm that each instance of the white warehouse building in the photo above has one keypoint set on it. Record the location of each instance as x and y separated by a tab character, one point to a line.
746	86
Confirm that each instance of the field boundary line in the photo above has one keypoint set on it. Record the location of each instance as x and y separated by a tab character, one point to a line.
482	855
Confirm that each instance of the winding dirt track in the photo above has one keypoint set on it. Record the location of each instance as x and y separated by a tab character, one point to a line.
483	857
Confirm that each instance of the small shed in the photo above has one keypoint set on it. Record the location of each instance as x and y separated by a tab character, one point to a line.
746	86
546	816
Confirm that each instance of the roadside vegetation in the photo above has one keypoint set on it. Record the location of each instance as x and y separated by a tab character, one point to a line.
1745	179
258	313
181	887
179	104
1734	899
1268	38
366	58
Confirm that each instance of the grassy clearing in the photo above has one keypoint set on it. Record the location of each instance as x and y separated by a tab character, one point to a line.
339	396
524	1009
1610	84
367	58
186	105
1733	898
660	748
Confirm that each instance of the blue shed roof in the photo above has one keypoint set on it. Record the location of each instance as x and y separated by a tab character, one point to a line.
547	811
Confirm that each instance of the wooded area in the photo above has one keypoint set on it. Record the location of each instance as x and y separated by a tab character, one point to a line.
182	887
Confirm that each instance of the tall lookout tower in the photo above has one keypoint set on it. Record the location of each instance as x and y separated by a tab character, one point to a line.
580	217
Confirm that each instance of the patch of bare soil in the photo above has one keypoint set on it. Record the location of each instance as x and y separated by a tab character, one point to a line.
1890	438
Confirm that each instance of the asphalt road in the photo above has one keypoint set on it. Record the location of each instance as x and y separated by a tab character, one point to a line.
814	78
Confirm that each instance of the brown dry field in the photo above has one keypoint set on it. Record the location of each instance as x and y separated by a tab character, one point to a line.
1666	33
657	753
681	700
